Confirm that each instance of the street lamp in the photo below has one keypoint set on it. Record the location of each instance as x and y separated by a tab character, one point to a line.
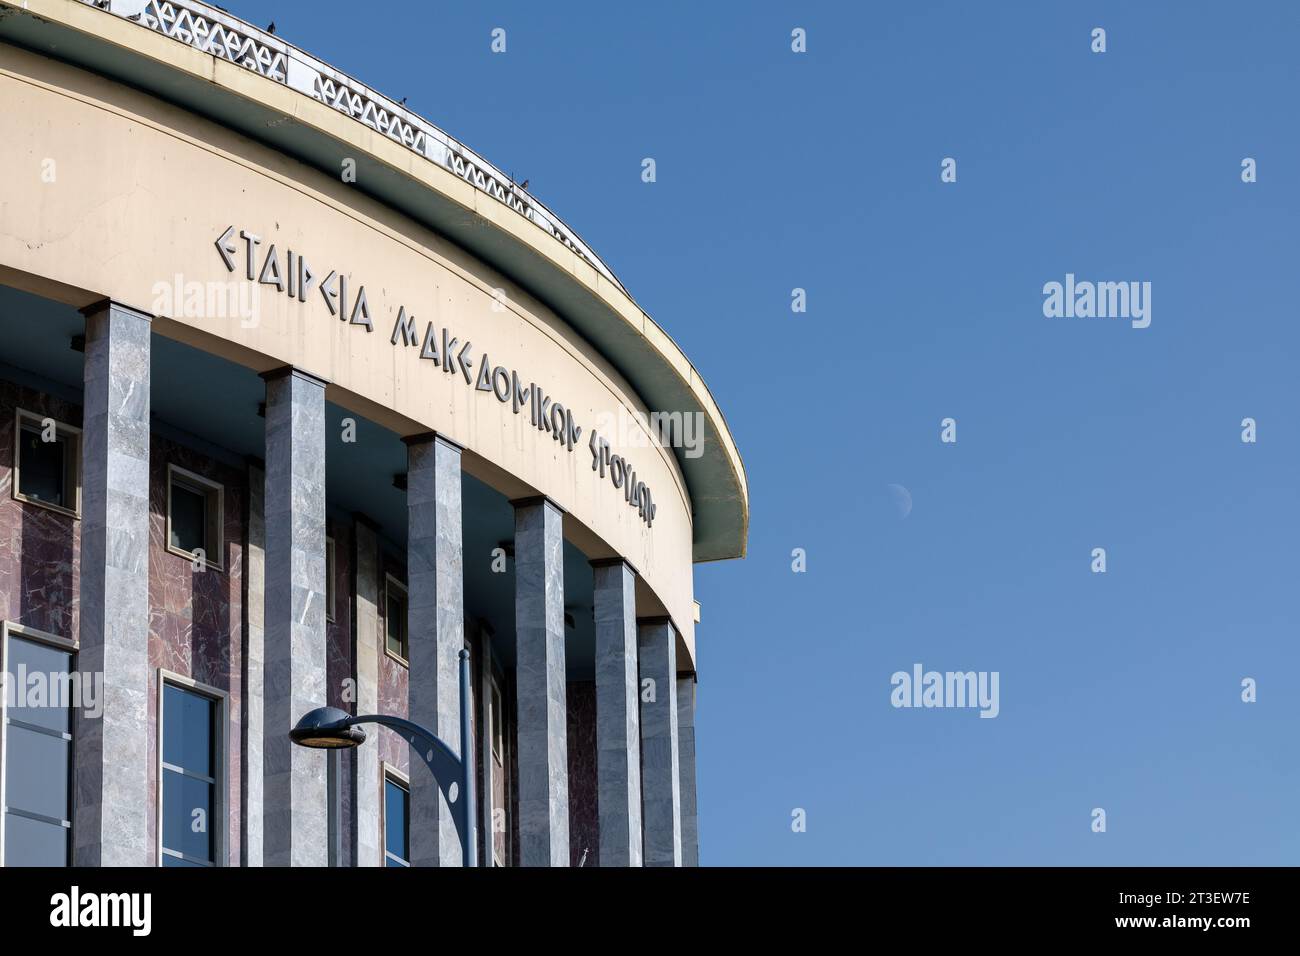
329	728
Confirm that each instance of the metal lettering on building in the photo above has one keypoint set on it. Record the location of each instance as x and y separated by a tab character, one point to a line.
291	274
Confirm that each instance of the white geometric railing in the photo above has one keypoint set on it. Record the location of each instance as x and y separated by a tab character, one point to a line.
212	35
216	32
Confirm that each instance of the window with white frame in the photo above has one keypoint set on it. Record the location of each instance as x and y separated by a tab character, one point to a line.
496	779
190	812
194	516
395	642
41	689
47	462
495	717
397	821
329	580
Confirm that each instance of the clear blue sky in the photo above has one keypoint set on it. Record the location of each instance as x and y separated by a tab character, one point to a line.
775	170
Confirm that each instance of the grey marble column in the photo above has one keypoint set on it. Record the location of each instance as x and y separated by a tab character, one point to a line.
541	715
618	722
657	640
435	629
686	769
296	808
254	641
110	822
366	650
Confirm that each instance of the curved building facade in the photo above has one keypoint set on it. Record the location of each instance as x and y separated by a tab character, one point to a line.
300	397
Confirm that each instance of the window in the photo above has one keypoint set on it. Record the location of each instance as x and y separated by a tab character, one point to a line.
36	747
397	823
194	516
47	463
329	580
395	619
496	781
190	815
495	717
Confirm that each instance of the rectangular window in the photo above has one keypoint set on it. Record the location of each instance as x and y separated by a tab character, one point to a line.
36	748
497	781
190	812
397	824
194	516
495	717
395	619
47	463
329	580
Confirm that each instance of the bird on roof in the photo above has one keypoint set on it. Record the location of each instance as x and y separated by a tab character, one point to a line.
271	29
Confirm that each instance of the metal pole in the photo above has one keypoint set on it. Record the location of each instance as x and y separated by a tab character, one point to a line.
469	834
453	775
334	777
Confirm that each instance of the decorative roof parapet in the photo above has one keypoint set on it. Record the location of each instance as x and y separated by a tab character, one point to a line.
216	32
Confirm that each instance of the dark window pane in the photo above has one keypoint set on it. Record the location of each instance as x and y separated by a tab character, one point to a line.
33	843
495	717
396	835
395	622
36	772
187	730
329	578
43	468
31	665
189	519
187	807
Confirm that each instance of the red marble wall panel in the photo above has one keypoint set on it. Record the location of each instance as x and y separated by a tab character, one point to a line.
340	689
584	820
196	617
39	548
394	679
340	684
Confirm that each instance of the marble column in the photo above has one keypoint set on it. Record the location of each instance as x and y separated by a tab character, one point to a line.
618	723
296	808
254	641
541	715
657	646
110	808
366	650
435	630
686	769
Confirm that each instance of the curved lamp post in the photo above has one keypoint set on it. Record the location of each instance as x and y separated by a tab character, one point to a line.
329	728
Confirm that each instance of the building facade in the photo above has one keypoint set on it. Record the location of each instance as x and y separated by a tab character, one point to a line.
299	397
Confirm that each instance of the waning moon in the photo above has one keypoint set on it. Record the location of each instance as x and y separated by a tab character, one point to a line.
902	500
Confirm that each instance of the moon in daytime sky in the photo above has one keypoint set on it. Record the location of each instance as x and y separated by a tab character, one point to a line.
902	500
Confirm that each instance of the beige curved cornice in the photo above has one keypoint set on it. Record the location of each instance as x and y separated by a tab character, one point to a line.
218	66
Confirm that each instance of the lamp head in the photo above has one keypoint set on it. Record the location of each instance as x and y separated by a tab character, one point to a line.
327	728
